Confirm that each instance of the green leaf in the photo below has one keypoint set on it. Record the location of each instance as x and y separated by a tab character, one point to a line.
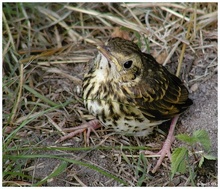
206	156
178	160
125	158
186	138
141	167
201	161
210	157
203	138
138	36
147	44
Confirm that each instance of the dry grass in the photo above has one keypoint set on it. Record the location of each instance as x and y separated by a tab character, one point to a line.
46	51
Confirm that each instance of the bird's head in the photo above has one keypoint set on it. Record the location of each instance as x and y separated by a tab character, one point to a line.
122	60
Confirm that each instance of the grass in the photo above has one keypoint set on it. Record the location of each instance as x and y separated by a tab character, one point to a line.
46	51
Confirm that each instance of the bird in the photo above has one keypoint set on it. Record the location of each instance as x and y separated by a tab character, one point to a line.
130	93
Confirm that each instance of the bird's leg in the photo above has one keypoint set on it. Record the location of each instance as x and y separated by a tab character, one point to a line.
89	126
167	145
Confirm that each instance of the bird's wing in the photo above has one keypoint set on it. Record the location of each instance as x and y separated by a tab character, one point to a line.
159	95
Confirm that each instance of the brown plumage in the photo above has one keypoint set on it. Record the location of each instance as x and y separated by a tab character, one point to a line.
130	93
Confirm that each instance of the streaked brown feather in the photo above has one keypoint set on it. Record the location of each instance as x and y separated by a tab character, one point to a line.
164	94
131	98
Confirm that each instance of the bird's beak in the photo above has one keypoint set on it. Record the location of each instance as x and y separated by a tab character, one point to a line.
107	54
103	50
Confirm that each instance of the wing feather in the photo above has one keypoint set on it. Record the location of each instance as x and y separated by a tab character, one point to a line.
159	94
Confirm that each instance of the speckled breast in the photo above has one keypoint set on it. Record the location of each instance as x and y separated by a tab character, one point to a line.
105	100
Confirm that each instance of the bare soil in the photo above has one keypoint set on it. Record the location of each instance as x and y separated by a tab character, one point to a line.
201	115
47	47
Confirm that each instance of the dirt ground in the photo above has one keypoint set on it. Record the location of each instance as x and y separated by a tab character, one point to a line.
201	115
53	43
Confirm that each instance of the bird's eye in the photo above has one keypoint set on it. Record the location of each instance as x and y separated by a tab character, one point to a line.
128	64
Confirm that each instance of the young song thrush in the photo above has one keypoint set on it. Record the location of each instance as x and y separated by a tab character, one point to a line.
130	93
